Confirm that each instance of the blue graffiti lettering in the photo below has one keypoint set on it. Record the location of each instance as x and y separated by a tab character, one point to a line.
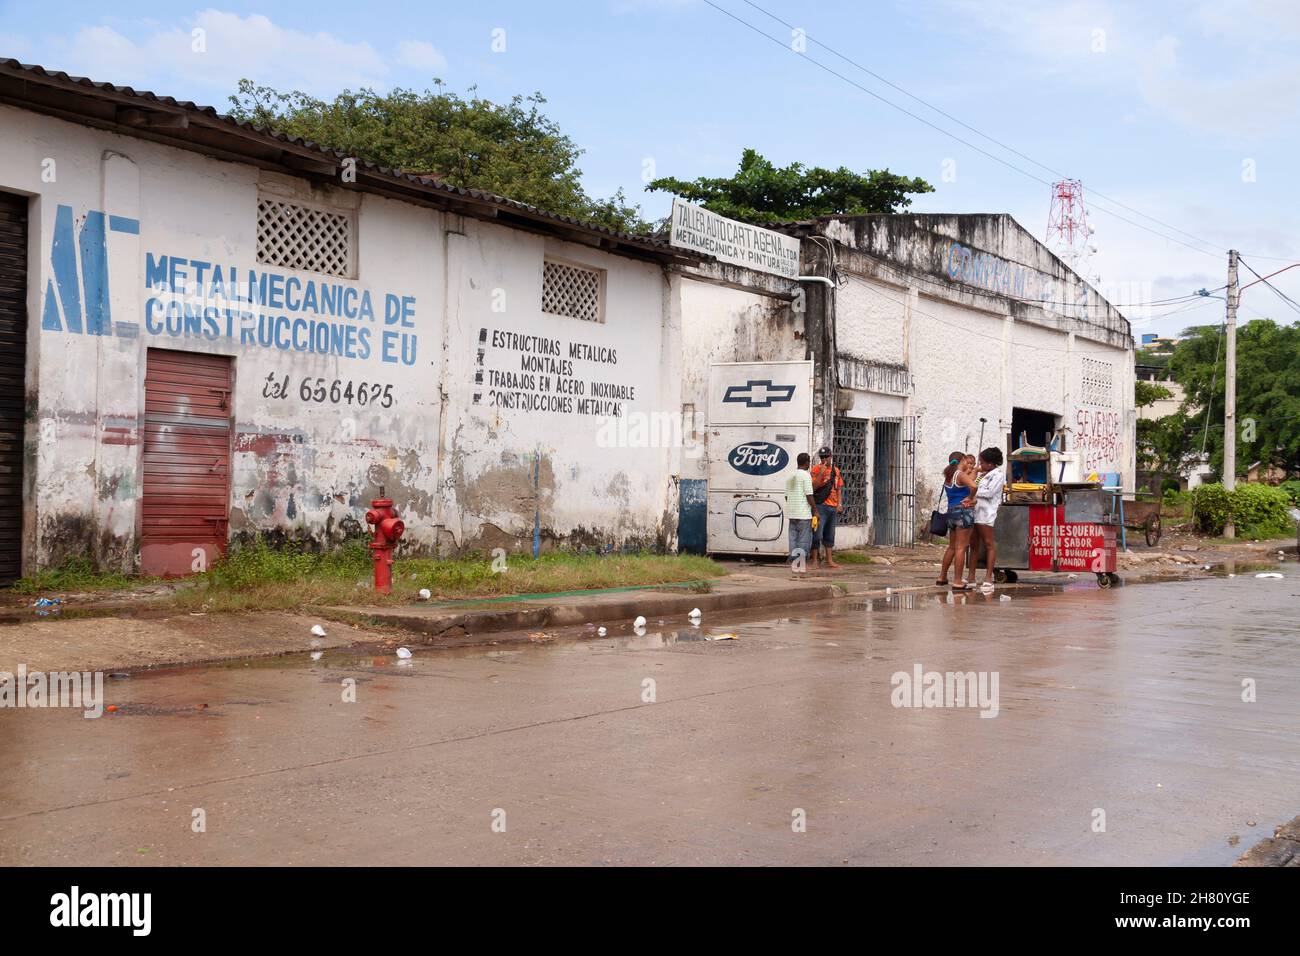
155	272
152	325
63	258
77	299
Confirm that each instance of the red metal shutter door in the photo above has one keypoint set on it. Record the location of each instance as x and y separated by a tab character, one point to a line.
186	488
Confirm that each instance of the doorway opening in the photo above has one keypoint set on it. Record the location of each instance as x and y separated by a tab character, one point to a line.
893	482
13	372
1037	427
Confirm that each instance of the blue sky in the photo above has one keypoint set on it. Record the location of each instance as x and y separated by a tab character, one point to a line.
1183	111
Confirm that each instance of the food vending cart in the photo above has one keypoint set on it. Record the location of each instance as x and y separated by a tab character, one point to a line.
1047	525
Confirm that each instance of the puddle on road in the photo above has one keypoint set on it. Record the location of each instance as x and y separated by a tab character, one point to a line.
1245	567
368	663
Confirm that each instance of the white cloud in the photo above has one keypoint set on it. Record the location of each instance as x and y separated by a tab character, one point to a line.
204	57
1239	84
420	55
1248	105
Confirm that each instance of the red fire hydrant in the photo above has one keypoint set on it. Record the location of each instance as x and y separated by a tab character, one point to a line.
388	530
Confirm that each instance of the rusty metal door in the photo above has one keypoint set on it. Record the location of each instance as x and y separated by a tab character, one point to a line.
13	368
186	501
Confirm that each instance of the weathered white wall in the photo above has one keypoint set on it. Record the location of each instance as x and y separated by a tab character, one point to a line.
460	471
593	476
300	469
466	471
871	322
970	359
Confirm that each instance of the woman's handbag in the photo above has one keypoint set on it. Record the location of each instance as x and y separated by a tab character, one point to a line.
938	521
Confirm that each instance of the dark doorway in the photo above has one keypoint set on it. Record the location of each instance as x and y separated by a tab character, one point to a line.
1029	427
186	503
13	372
1037	427
893	482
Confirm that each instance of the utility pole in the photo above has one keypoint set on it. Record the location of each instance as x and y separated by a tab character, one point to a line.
1230	391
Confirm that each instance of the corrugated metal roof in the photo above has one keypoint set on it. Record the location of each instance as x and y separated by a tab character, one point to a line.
214	119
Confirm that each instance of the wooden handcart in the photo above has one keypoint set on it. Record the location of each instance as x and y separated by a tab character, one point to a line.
1144	516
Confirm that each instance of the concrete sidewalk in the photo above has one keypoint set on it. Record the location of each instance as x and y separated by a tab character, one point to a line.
114	637
125	632
615	609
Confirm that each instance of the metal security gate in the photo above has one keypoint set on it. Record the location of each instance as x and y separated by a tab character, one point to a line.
13	370
893	484
186	461
850	447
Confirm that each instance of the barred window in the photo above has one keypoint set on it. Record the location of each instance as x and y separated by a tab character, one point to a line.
1097	380
299	237
850	447
572	290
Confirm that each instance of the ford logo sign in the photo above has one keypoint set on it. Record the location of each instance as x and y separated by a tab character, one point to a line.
758	458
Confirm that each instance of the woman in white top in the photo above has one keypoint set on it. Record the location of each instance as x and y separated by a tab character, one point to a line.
988	496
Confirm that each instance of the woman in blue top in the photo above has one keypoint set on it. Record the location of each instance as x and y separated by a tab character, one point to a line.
959	488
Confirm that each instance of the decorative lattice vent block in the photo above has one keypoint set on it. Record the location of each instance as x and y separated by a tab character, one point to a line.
571	290
298	237
1098	378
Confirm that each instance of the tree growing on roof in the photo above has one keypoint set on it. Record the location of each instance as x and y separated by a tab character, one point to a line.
510	149
763	192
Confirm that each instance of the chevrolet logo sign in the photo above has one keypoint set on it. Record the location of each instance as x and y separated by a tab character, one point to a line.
759	394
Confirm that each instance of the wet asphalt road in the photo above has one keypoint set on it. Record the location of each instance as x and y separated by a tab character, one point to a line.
1127	701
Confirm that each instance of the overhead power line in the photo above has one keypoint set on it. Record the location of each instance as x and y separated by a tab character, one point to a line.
1011	149
1110	212
1264	279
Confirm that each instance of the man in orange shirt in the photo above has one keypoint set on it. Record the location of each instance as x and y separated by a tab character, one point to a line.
827	482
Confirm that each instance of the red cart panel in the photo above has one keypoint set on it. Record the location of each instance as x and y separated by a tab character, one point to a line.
1080	546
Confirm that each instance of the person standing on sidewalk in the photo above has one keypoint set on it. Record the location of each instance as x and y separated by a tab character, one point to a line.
801	513
827	482
959	487
988	496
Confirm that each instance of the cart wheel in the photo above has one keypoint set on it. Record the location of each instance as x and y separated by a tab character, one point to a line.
1153	531
1115	578
1012	576
1000	575
1103	579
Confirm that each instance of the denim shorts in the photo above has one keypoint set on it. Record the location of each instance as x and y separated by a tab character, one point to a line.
827	516
961	517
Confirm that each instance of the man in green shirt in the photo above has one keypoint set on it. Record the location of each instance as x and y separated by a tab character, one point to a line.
799	509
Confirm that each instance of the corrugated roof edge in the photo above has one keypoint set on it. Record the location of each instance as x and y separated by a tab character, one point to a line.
423	184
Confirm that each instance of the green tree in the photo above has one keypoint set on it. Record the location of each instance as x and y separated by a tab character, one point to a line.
762	192
1148	393
1161	442
1268	391
511	149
